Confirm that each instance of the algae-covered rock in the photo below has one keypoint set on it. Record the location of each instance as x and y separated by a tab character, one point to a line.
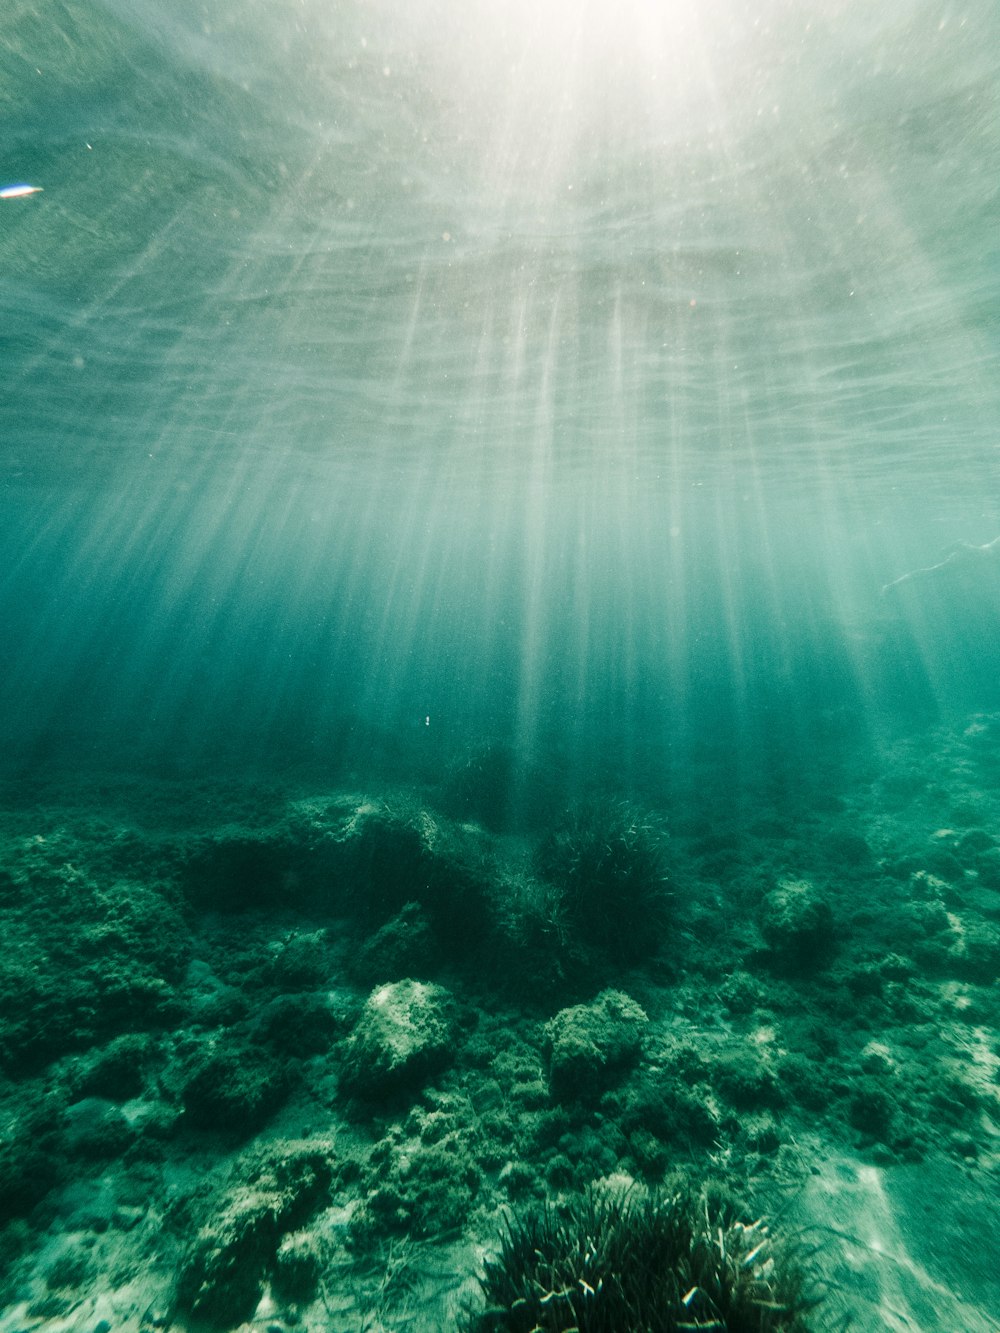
416	1188
398	854
96	1128
301	1025
405	1030
745	1080
298	1266
846	847
117	1070
797	924
272	1193
85	960
590	1045
975	951
872	1108
405	945
235	1087
30	1161
665	1107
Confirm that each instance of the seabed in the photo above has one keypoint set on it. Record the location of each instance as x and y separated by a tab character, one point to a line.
282	1055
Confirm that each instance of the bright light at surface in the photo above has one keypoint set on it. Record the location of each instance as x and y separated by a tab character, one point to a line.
594	36
552	78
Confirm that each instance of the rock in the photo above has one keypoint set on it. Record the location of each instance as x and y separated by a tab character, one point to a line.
298	1266
797	925
975	952
272	1193
745	1080
127	1218
234	1087
987	866
404	945
847	847
973	842
590	1045
415	1189
301	1025
95	1128
877	1058
405	1030
116	1071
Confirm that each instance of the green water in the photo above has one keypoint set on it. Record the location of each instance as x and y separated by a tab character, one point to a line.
547	373
509	404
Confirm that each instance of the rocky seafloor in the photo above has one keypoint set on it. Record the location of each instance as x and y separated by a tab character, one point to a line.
286	1053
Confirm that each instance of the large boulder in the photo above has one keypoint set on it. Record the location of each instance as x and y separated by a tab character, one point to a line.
591	1045
798	926
239	1229
405	1030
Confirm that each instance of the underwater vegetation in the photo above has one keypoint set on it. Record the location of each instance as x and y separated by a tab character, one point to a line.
608	865
500	789
645	1261
298	1063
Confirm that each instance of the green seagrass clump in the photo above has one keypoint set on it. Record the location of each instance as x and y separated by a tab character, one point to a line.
608	864
642	1261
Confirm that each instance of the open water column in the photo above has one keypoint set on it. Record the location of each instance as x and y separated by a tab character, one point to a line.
499	665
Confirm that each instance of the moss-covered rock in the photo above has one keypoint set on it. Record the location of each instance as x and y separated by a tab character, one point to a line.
871	1108
987	867
298	1266
31	1163
398	853
416	1188
405	1031
84	960
590	1045
96	1128
847	847
797	925
405	946
240	1228
300	1025
116	1071
298	960
235	869
745	1080
664	1107
234	1087
975	951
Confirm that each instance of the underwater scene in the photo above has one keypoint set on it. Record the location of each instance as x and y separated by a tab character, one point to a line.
500	666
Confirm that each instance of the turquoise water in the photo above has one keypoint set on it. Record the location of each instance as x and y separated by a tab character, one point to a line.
499	650
545	373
